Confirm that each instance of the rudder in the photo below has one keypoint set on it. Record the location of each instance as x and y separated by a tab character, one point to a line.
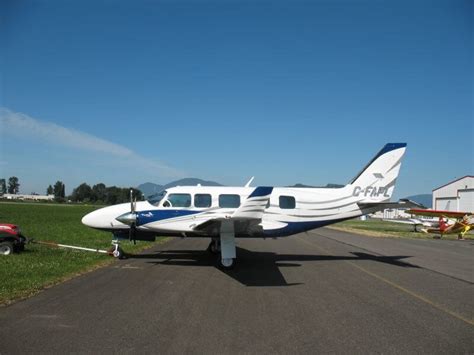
376	181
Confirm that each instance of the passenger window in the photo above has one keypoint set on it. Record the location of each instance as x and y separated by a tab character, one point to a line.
178	200
202	200
287	202
229	201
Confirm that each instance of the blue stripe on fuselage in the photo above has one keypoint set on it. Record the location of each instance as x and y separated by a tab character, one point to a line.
145	217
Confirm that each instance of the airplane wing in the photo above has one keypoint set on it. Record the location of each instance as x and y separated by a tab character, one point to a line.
403	221
412	221
437	213
249	213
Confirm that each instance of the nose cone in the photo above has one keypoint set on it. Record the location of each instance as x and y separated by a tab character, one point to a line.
105	218
128	218
95	220
113	217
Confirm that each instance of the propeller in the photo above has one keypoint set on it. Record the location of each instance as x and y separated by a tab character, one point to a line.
130	218
133	230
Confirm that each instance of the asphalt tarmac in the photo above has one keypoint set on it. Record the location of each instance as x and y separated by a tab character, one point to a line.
324	291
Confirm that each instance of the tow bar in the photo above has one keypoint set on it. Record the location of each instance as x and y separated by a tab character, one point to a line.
57	245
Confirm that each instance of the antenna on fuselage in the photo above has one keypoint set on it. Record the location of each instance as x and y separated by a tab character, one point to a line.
250	181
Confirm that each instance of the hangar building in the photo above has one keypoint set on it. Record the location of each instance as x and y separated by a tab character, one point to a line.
457	195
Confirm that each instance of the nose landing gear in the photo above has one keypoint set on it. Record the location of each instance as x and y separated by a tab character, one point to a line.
116	251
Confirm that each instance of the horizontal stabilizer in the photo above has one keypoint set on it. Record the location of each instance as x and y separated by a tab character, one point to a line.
403	203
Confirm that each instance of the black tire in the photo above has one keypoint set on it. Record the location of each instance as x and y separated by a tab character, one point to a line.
213	248
6	248
119	254
229	265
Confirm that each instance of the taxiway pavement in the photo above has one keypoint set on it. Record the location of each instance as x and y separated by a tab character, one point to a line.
323	291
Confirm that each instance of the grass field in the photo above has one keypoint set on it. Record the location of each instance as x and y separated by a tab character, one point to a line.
38	267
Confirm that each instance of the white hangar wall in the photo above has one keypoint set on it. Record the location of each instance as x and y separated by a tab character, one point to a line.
457	195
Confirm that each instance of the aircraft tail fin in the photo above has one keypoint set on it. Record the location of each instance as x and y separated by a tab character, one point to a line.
376	181
254	206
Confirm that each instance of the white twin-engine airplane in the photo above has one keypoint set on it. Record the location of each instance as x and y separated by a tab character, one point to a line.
224	213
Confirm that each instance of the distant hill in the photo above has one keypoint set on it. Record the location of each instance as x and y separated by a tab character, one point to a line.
191	182
150	188
424	199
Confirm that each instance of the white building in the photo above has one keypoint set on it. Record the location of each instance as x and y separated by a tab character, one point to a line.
28	197
458	195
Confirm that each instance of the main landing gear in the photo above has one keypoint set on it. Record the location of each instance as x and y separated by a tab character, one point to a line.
225	246
214	246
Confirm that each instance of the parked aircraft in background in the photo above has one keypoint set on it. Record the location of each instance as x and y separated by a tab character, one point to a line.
224	213
415	222
449	222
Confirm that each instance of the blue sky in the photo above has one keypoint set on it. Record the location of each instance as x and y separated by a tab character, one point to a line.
125	92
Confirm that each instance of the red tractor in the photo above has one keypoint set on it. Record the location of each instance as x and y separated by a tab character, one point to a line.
11	239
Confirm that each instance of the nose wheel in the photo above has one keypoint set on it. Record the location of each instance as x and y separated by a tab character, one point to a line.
117	252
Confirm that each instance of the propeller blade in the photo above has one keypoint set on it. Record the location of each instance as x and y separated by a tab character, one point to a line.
132	207
131	234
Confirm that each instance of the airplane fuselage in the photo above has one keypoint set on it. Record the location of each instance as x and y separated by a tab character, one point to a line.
289	211
225	213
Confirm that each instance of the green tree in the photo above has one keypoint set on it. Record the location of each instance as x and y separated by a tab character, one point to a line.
82	193
137	194
50	190
3	187
13	185
124	195
99	193
113	195
58	190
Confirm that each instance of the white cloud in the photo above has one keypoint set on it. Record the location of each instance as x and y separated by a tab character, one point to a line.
24	125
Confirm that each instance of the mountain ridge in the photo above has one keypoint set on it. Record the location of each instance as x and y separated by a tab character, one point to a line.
150	188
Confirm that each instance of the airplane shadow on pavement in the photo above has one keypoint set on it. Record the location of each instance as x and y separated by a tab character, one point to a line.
255	268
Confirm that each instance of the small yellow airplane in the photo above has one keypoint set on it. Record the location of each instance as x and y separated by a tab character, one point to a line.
449	222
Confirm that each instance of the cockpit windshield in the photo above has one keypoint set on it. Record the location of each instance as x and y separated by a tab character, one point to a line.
155	199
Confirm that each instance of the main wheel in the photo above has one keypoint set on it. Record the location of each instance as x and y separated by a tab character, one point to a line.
227	263
6	248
